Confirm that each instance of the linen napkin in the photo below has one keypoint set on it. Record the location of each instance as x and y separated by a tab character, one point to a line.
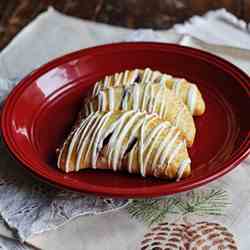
217	27
120	225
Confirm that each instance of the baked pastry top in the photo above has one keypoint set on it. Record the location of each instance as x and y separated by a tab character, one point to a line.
139	121
131	141
187	91
152	98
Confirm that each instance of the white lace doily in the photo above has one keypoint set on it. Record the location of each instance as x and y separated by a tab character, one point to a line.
29	206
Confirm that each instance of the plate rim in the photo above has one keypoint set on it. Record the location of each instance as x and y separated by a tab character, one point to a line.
226	166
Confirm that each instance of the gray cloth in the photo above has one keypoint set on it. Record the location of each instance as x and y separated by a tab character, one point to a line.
29	206
10	244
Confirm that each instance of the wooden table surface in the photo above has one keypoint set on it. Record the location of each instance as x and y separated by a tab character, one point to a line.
156	14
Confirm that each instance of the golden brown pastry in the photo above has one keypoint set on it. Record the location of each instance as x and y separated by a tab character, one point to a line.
187	91
131	141
152	98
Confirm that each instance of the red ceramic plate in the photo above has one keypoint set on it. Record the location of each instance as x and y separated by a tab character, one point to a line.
39	112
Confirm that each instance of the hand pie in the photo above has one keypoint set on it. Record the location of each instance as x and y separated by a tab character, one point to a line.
130	141
187	91
152	98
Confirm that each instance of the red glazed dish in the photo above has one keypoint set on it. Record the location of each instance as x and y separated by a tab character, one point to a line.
39	112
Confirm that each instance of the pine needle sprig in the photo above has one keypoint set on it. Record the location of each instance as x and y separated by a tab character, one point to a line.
151	211
211	202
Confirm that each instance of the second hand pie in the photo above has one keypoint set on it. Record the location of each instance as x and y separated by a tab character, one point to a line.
152	98
187	91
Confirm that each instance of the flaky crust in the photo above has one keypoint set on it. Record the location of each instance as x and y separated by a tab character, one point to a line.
186	90
126	141
151	98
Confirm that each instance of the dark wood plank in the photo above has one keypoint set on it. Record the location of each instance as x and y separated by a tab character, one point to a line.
246	11
157	14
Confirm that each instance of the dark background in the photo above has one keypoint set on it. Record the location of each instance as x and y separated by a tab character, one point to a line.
157	14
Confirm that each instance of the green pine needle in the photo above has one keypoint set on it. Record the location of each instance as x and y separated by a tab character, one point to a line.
205	202
152	211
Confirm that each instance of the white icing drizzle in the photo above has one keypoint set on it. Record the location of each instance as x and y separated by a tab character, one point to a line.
60	156
86	108
97	138
175	152
155	75
147	78
141	143
91	108
125	78
105	101
130	160
141	149
146	75
163	105
134	134
145	97
117	155
155	134
162	146
192	94
74	139
99	89
82	124
181	168
165	111
162	109
151	98
125	100
107	81
156	99
88	124
92	141
134	73
144	72
100	101
152	132
118	79
109	131
167	150
83	142
96	88
136	97
111	96
111	144
177	85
